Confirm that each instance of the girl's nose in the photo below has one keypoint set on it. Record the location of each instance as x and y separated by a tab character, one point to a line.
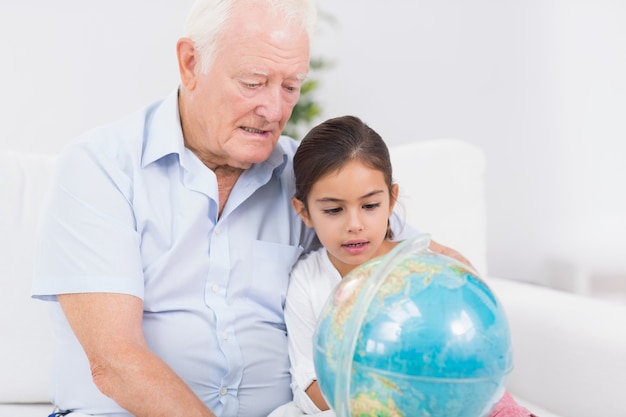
355	224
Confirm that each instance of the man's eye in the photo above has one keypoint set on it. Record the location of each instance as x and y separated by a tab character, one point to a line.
252	85
334	210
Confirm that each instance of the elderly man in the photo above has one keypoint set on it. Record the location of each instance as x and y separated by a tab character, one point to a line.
169	236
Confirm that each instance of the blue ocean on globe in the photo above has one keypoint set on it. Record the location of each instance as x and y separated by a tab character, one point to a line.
413	334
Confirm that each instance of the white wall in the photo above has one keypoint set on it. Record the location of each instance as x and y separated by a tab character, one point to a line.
538	84
591	111
70	65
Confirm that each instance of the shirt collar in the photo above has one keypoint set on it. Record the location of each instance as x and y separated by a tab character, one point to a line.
163	133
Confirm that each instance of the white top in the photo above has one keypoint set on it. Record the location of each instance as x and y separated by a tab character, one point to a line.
313	279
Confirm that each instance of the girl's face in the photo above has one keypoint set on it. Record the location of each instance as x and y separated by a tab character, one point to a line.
349	210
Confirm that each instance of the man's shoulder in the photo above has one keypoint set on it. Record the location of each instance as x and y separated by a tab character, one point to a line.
113	134
122	140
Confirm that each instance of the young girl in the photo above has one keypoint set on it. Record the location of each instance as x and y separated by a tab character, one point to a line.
345	192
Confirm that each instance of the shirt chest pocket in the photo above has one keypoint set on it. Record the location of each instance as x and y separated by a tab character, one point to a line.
269	274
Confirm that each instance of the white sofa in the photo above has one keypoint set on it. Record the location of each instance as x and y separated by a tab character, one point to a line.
569	351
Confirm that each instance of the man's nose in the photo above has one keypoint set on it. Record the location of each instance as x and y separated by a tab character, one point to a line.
272	106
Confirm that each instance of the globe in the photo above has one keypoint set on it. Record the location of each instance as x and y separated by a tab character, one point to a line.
413	333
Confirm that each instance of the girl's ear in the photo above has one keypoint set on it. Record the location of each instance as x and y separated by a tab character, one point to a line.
393	198
299	207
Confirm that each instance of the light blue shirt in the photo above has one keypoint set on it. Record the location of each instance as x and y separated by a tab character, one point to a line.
132	211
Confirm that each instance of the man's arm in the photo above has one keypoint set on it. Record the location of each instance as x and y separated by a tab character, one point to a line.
109	329
444	250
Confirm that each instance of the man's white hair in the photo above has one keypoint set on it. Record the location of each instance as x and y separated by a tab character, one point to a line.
207	20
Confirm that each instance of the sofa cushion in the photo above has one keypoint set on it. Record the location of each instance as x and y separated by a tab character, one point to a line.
27	410
26	348
569	350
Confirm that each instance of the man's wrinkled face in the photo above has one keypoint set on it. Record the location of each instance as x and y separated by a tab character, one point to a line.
241	105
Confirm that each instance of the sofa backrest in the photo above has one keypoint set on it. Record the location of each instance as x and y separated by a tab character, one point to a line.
441	192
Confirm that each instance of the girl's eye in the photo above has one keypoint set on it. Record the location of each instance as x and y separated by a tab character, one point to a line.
331	211
371	206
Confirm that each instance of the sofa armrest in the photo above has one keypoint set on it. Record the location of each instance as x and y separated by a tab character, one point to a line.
569	350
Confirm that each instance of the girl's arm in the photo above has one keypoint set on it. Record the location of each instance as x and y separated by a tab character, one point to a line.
302	303
315	394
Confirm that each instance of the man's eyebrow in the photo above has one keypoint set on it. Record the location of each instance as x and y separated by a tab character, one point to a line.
259	72
301	76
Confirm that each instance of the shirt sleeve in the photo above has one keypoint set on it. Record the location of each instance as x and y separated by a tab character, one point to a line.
88	239
301	320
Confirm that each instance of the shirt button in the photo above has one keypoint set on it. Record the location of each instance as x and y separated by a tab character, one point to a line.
215	288
218	230
224	335
223	391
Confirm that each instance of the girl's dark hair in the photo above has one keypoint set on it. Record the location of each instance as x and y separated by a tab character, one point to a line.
334	143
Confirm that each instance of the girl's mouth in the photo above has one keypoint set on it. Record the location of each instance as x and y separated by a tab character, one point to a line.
355	248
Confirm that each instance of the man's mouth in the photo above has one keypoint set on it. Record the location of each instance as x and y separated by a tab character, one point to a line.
253	130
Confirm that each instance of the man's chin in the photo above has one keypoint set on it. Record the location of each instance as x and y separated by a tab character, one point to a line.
256	157
259	152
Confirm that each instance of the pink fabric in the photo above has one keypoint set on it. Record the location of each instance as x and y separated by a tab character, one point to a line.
507	407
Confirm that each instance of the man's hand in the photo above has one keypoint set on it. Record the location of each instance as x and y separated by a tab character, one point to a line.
444	250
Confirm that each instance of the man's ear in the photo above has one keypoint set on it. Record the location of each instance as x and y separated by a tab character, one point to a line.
188	62
299	207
